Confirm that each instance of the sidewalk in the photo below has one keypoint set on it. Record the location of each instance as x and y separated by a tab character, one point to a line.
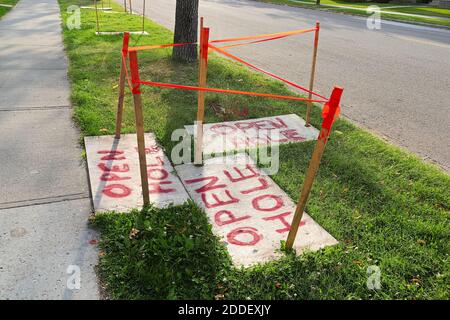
44	196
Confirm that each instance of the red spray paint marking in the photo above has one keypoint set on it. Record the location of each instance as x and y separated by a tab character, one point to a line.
150	150
241	175
155	188
111	191
265	124
116	168
217	129
112	177
159	162
211	185
161	174
232	236
282	218
277	205
292	135
220	221
219	202
264	185
111	155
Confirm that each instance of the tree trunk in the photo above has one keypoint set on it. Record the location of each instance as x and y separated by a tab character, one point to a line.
186	27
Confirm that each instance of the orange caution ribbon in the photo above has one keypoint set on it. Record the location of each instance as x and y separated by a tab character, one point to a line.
159	46
262	36
229	55
195	88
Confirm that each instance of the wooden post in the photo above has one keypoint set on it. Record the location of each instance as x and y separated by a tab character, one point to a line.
131	9
139	125
96	14
314	164
203	68
313	73
125	5
126	39
143	17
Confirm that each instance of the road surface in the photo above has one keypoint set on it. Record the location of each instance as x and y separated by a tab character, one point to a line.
396	80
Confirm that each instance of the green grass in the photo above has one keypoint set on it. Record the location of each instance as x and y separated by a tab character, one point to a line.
4	10
426	11
384	205
432	12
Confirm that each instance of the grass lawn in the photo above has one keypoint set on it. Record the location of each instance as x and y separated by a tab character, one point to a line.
425	11
4	10
385	206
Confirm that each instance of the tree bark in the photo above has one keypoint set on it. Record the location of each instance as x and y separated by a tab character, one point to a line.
186	28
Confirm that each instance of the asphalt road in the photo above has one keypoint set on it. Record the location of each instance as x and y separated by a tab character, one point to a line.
396	79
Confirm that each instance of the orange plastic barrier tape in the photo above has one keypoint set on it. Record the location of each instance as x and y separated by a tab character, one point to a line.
159	46
269	35
265	72
256	94
265	37
331	112
254	42
127	76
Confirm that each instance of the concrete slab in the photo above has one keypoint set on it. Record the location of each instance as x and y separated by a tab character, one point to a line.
23	37
35	255
37	79
40	20
251	133
34	97
115	175
32	57
39	155
247	209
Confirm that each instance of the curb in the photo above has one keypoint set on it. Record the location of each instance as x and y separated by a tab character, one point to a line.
312	7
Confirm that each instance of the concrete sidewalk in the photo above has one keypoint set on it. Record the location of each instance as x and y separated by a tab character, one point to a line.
44	196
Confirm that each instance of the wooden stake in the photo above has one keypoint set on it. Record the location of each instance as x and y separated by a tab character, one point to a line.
96	14
143	17
313	74
125	5
314	164
203	69
139	126
131	9
126	39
